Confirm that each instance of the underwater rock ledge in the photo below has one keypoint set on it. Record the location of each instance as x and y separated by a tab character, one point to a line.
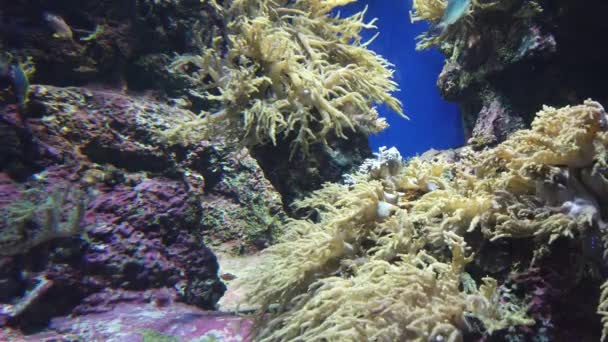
147	203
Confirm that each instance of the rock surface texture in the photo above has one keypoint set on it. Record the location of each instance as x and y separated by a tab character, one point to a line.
146	204
506	59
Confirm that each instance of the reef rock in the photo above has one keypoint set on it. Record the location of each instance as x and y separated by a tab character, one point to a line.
132	316
111	42
146	204
506	59
133	46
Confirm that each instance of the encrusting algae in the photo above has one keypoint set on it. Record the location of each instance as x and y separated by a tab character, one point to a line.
287	69
364	272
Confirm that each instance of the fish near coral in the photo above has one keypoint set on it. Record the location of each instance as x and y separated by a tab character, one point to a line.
20	84
14	74
455	10
60	28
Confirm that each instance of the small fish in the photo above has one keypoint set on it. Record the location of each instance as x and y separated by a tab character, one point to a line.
59	26
454	11
85	69
20	84
13	74
227	276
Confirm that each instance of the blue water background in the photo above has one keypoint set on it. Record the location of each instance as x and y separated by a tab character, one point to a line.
434	123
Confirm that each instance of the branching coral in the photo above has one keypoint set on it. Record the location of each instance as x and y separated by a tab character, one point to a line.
567	137
288	69
364	273
541	172
414	297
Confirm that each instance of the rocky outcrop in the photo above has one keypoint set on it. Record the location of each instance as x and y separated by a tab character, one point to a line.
148	204
508	58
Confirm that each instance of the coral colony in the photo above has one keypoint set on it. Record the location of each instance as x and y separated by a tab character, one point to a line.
200	171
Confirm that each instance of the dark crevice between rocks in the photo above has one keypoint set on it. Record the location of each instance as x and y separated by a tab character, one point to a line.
131	161
209	164
19	152
298	177
37	317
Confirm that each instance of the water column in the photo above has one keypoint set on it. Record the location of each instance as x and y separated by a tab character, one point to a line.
434	122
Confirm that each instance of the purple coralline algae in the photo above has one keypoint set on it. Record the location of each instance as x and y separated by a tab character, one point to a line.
143	227
119	316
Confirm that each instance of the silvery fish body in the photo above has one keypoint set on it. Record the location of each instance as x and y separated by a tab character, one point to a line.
61	29
454	11
20	83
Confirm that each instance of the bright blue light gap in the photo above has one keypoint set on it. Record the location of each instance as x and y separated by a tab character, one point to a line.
434	122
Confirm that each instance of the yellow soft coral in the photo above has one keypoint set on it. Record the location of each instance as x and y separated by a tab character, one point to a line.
335	284
310	251
375	265
537	189
430	10
566	137
412	300
290	71
416	298
322	7
602	309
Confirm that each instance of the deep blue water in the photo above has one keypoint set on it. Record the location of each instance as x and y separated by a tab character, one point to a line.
434	123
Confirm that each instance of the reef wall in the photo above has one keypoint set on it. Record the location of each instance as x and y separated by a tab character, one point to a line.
505	59
136	135
102	203
92	200
139	47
